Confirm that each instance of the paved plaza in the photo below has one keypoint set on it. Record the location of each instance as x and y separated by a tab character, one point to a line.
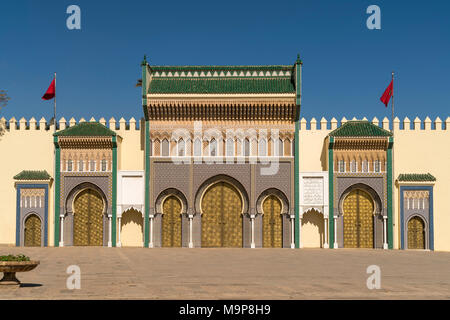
139	273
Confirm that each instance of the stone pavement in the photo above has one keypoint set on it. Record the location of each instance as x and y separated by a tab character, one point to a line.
164	273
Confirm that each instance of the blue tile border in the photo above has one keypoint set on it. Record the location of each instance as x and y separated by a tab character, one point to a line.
402	215
31	186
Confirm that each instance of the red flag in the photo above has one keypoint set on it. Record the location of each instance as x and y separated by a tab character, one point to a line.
388	93
50	93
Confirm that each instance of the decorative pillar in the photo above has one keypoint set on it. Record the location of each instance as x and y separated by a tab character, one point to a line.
335	244
325	231
292	231
109	231
119	231
252	218
191	244
298	95
151	231
61	241
300	244
385	245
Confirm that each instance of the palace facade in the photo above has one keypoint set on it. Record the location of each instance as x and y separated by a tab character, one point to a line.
222	158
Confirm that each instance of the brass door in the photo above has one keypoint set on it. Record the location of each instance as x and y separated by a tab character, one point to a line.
416	233
171	222
32	231
272	223
88	219
358	220
221	219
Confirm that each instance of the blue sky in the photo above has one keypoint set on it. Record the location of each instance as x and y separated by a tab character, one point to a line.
346	66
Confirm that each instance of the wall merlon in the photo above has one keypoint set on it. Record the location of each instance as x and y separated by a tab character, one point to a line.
375	121
333	123
417	124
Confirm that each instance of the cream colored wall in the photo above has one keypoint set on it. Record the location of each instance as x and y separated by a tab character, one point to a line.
423	151
22	149
313	150
131	147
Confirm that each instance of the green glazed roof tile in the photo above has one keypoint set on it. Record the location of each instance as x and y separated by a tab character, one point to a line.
93	129
359	129
222	85
32	175
416	177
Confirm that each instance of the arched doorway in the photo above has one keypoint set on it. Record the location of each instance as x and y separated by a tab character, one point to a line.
32	231
88	219
358	220
171	222
272	223
416	233
131	231
312	232
221	220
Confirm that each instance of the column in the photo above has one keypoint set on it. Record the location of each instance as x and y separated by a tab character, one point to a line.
109	232
61	241
191	244
119	244
300	244
151	231
292	231
325	231
335	245
385	245
252	218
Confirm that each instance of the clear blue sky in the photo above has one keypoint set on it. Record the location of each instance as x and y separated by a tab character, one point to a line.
346	66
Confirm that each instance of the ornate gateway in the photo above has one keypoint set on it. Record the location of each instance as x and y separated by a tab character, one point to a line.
358	220
33	231
88	219
272	223
171	222
222	219
416	233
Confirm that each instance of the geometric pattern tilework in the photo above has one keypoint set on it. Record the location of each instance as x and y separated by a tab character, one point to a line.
358	220
171	222
221	219
88	220
272	223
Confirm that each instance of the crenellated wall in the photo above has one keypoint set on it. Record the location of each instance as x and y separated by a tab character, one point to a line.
420	146
28	145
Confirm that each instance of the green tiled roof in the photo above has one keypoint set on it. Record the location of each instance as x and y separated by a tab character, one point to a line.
222	85
360	128
94	129
416	177
32	175
222	79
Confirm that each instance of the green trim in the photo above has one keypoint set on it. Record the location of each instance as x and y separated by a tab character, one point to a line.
390	233
298	85
32	175
114	191
297	185
330	194
359	128
57	187
220	68
416	177
147	184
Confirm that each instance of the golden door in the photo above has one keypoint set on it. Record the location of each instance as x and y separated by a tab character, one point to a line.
88	219
171	222
32	231
358	220
416	233
221	219
272	223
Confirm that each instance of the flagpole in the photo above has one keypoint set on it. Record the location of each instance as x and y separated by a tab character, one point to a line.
54	107
392	117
